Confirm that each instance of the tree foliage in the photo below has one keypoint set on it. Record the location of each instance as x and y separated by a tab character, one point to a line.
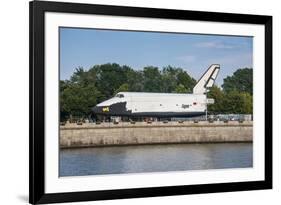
180	89
176	80
86	88
237	102
235	97
110	77
241	81
77	99
217	94
152	79
123	88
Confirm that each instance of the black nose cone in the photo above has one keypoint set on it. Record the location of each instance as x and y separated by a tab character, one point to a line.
101	110
96	110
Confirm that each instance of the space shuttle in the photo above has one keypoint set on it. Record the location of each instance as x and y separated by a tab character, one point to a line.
147	104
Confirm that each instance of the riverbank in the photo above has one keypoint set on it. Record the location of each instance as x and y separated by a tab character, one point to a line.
125	133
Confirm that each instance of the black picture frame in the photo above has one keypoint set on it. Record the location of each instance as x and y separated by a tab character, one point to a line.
37	193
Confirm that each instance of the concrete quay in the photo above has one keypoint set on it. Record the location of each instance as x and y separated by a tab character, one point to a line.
126	133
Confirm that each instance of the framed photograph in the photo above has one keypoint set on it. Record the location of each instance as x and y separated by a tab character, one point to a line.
130	102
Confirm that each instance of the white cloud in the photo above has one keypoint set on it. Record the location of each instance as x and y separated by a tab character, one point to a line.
214	44
187	58
238	59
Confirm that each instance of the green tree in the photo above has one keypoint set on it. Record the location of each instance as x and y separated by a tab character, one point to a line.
78	75
64	84
241	80
237	103
78	100
135	80
217	94
87	88
123	88
186	80
172	77
180	89
152	79
110	77
247	103
169	79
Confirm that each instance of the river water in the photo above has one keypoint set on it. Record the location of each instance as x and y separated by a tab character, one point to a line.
154	158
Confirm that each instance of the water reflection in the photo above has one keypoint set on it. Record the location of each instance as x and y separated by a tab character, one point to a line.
154	158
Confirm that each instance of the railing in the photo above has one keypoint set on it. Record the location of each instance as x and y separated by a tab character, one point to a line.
211	118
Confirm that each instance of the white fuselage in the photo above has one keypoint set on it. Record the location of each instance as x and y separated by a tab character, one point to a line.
161	104
153	104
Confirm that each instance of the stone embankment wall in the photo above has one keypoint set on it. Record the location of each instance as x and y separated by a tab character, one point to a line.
110	134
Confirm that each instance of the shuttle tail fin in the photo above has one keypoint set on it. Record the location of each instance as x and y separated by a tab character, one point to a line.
207	80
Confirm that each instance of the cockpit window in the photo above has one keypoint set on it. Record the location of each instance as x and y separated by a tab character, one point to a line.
119	95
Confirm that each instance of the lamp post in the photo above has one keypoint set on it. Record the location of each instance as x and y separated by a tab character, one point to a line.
206	110
206	103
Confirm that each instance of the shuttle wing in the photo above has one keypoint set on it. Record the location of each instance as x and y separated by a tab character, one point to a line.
207	80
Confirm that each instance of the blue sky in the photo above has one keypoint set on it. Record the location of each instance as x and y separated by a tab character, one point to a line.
194	53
